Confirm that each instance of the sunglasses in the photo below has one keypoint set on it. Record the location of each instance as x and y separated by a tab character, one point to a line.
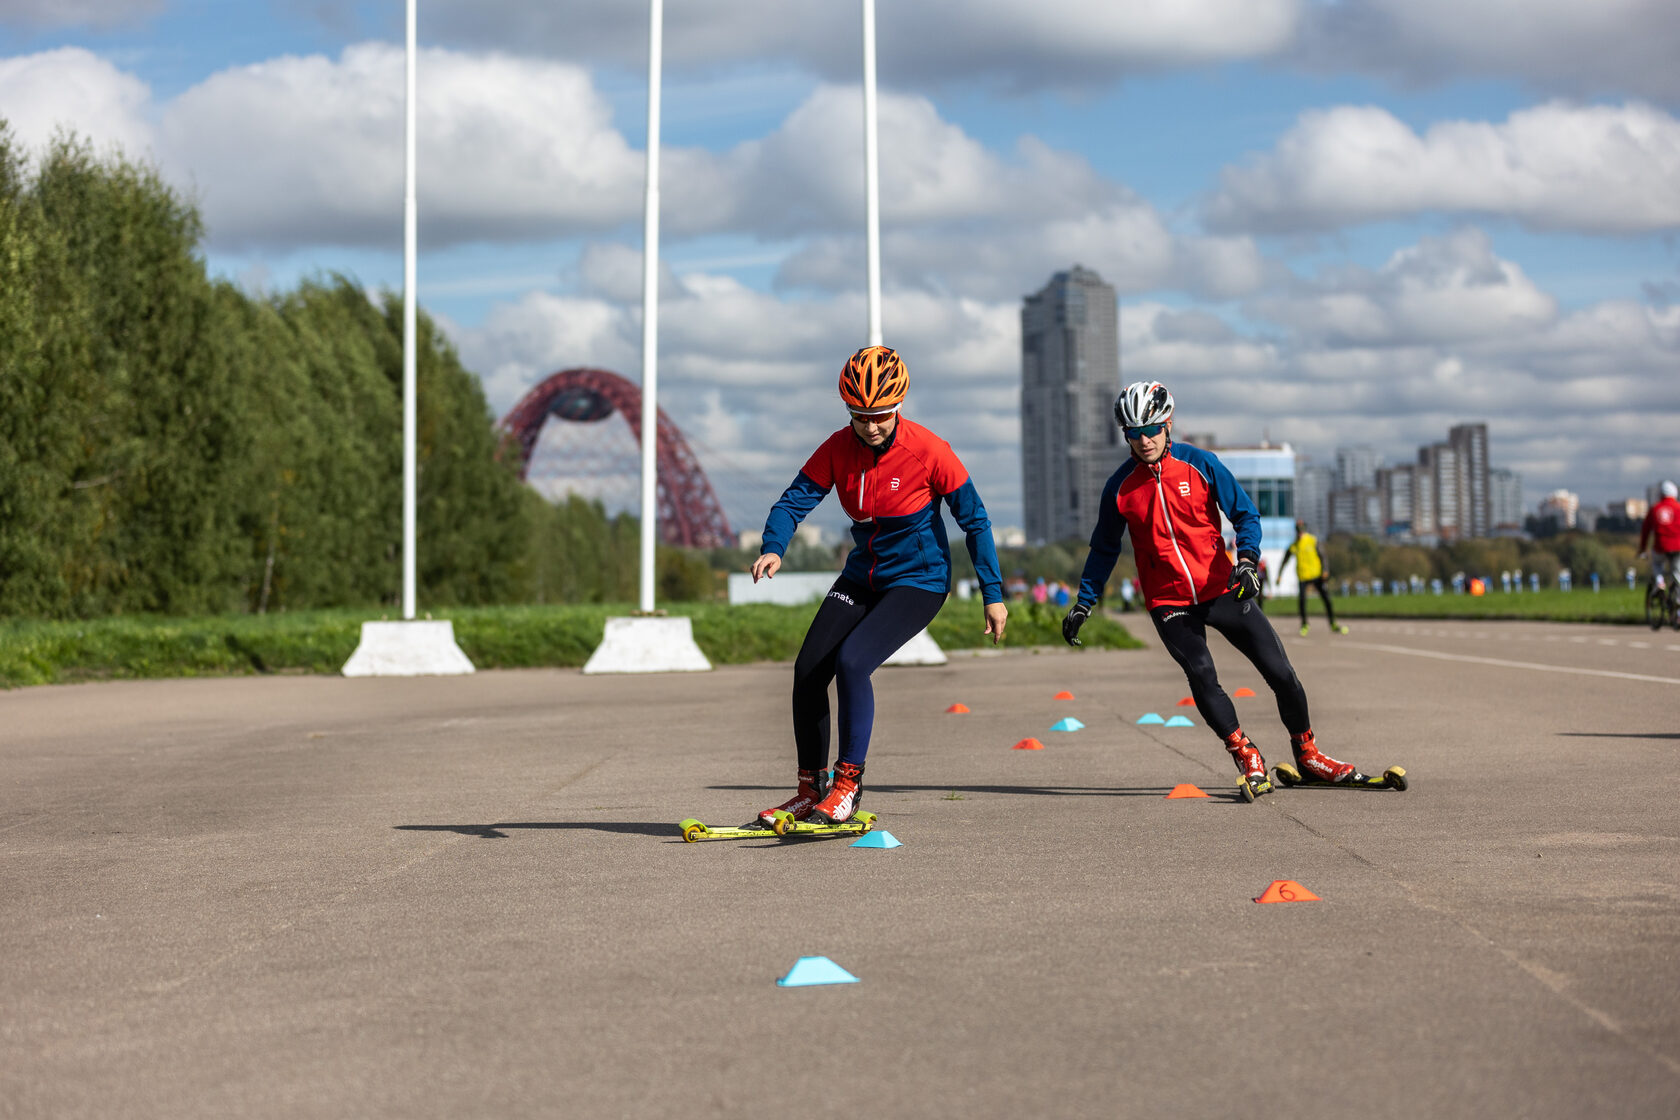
872	417
1147	431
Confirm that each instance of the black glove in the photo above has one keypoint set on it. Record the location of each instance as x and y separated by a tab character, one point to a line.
1071	624
1245	577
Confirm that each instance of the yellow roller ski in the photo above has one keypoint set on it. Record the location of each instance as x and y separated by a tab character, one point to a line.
784	826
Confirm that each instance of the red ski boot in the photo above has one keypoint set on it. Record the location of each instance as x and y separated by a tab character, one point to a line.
1249	764
1315	766
843	797
812	785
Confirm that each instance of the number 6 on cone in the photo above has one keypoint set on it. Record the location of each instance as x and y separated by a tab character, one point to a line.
1287	890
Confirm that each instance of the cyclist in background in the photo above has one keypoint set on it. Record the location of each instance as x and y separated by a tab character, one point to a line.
1309	570
1662	529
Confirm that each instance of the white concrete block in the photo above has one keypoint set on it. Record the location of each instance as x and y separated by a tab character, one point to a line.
648	645
920	650
407	649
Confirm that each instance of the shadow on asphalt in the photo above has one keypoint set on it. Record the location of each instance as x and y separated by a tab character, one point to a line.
1049	791
494	831
1619	734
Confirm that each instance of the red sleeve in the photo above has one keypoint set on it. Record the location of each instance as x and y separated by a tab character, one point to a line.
819	468
946	474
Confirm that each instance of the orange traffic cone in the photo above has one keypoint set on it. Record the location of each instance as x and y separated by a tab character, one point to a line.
1028	745
1063	695
1241	692
957	709
1185	789
1187	702
1287	890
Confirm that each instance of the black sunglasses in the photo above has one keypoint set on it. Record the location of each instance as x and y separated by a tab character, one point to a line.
1145	432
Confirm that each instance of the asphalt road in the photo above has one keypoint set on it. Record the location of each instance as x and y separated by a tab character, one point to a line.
312	897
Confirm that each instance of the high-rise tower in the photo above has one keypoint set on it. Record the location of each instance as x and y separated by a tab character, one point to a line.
1070	375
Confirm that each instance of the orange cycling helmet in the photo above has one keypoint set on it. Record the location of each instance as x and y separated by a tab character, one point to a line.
874	380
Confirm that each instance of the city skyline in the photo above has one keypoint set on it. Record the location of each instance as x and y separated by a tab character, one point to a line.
1327	223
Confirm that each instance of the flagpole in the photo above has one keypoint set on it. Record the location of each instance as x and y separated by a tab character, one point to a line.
650	310
410	226
871	175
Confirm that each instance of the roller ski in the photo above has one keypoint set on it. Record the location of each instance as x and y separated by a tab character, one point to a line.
782	825
1250	765
1314	768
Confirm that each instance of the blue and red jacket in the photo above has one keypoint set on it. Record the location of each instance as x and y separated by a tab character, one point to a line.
1172	509
892	495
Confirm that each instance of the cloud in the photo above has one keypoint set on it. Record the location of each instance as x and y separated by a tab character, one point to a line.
72	89
310	150
1607	46
1594	169
1052	43
77	13
1441	290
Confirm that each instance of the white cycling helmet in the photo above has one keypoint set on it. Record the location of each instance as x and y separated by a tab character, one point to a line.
1668	490
1141	403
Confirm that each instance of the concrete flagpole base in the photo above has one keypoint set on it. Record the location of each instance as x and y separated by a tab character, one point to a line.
407	649
648	644
920	650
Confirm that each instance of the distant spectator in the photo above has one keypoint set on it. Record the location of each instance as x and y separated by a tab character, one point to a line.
1128	592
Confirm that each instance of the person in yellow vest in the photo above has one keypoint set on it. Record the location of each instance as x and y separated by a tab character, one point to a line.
1309	569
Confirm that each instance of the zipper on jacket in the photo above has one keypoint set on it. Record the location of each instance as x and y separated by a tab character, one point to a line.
1173	537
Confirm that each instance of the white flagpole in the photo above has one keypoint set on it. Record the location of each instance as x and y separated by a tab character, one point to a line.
650	310
410	225
871	175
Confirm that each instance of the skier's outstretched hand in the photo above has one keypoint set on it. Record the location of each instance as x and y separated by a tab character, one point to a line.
997	617
766	566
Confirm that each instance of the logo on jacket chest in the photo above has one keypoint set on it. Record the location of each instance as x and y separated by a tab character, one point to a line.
1184	489
895	485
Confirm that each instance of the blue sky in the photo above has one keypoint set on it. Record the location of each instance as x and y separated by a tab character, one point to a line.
1353	222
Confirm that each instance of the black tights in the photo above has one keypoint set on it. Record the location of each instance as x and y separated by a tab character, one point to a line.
1301	600
854	631
1183	631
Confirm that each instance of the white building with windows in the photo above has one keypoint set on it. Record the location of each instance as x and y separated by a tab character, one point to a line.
1268	475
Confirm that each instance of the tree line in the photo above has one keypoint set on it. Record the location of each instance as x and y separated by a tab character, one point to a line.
170	443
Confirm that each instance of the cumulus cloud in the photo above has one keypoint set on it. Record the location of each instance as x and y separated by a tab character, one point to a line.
72	89
1052	43
310	150
1593	169
1607	46
1443	289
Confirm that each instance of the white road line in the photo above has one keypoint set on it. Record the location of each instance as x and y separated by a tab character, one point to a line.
1514	664
1639	645
1608	642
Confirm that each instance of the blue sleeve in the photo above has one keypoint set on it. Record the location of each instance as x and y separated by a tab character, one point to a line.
1234	500
970	514
800	498
1106	539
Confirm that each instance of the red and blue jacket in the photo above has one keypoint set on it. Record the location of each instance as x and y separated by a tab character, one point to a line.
1172	509
892	494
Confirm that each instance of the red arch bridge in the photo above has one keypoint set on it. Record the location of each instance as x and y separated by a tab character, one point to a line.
689	513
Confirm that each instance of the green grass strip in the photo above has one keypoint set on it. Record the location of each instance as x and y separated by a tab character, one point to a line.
1612	604
133	647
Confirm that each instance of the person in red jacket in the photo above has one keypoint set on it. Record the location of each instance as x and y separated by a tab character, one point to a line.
891	475
1170	495
1662	529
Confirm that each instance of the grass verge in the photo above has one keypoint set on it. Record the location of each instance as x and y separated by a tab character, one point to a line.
34	652
1613	604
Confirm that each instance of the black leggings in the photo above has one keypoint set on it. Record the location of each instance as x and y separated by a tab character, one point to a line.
855	630
1183	631
1301	599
